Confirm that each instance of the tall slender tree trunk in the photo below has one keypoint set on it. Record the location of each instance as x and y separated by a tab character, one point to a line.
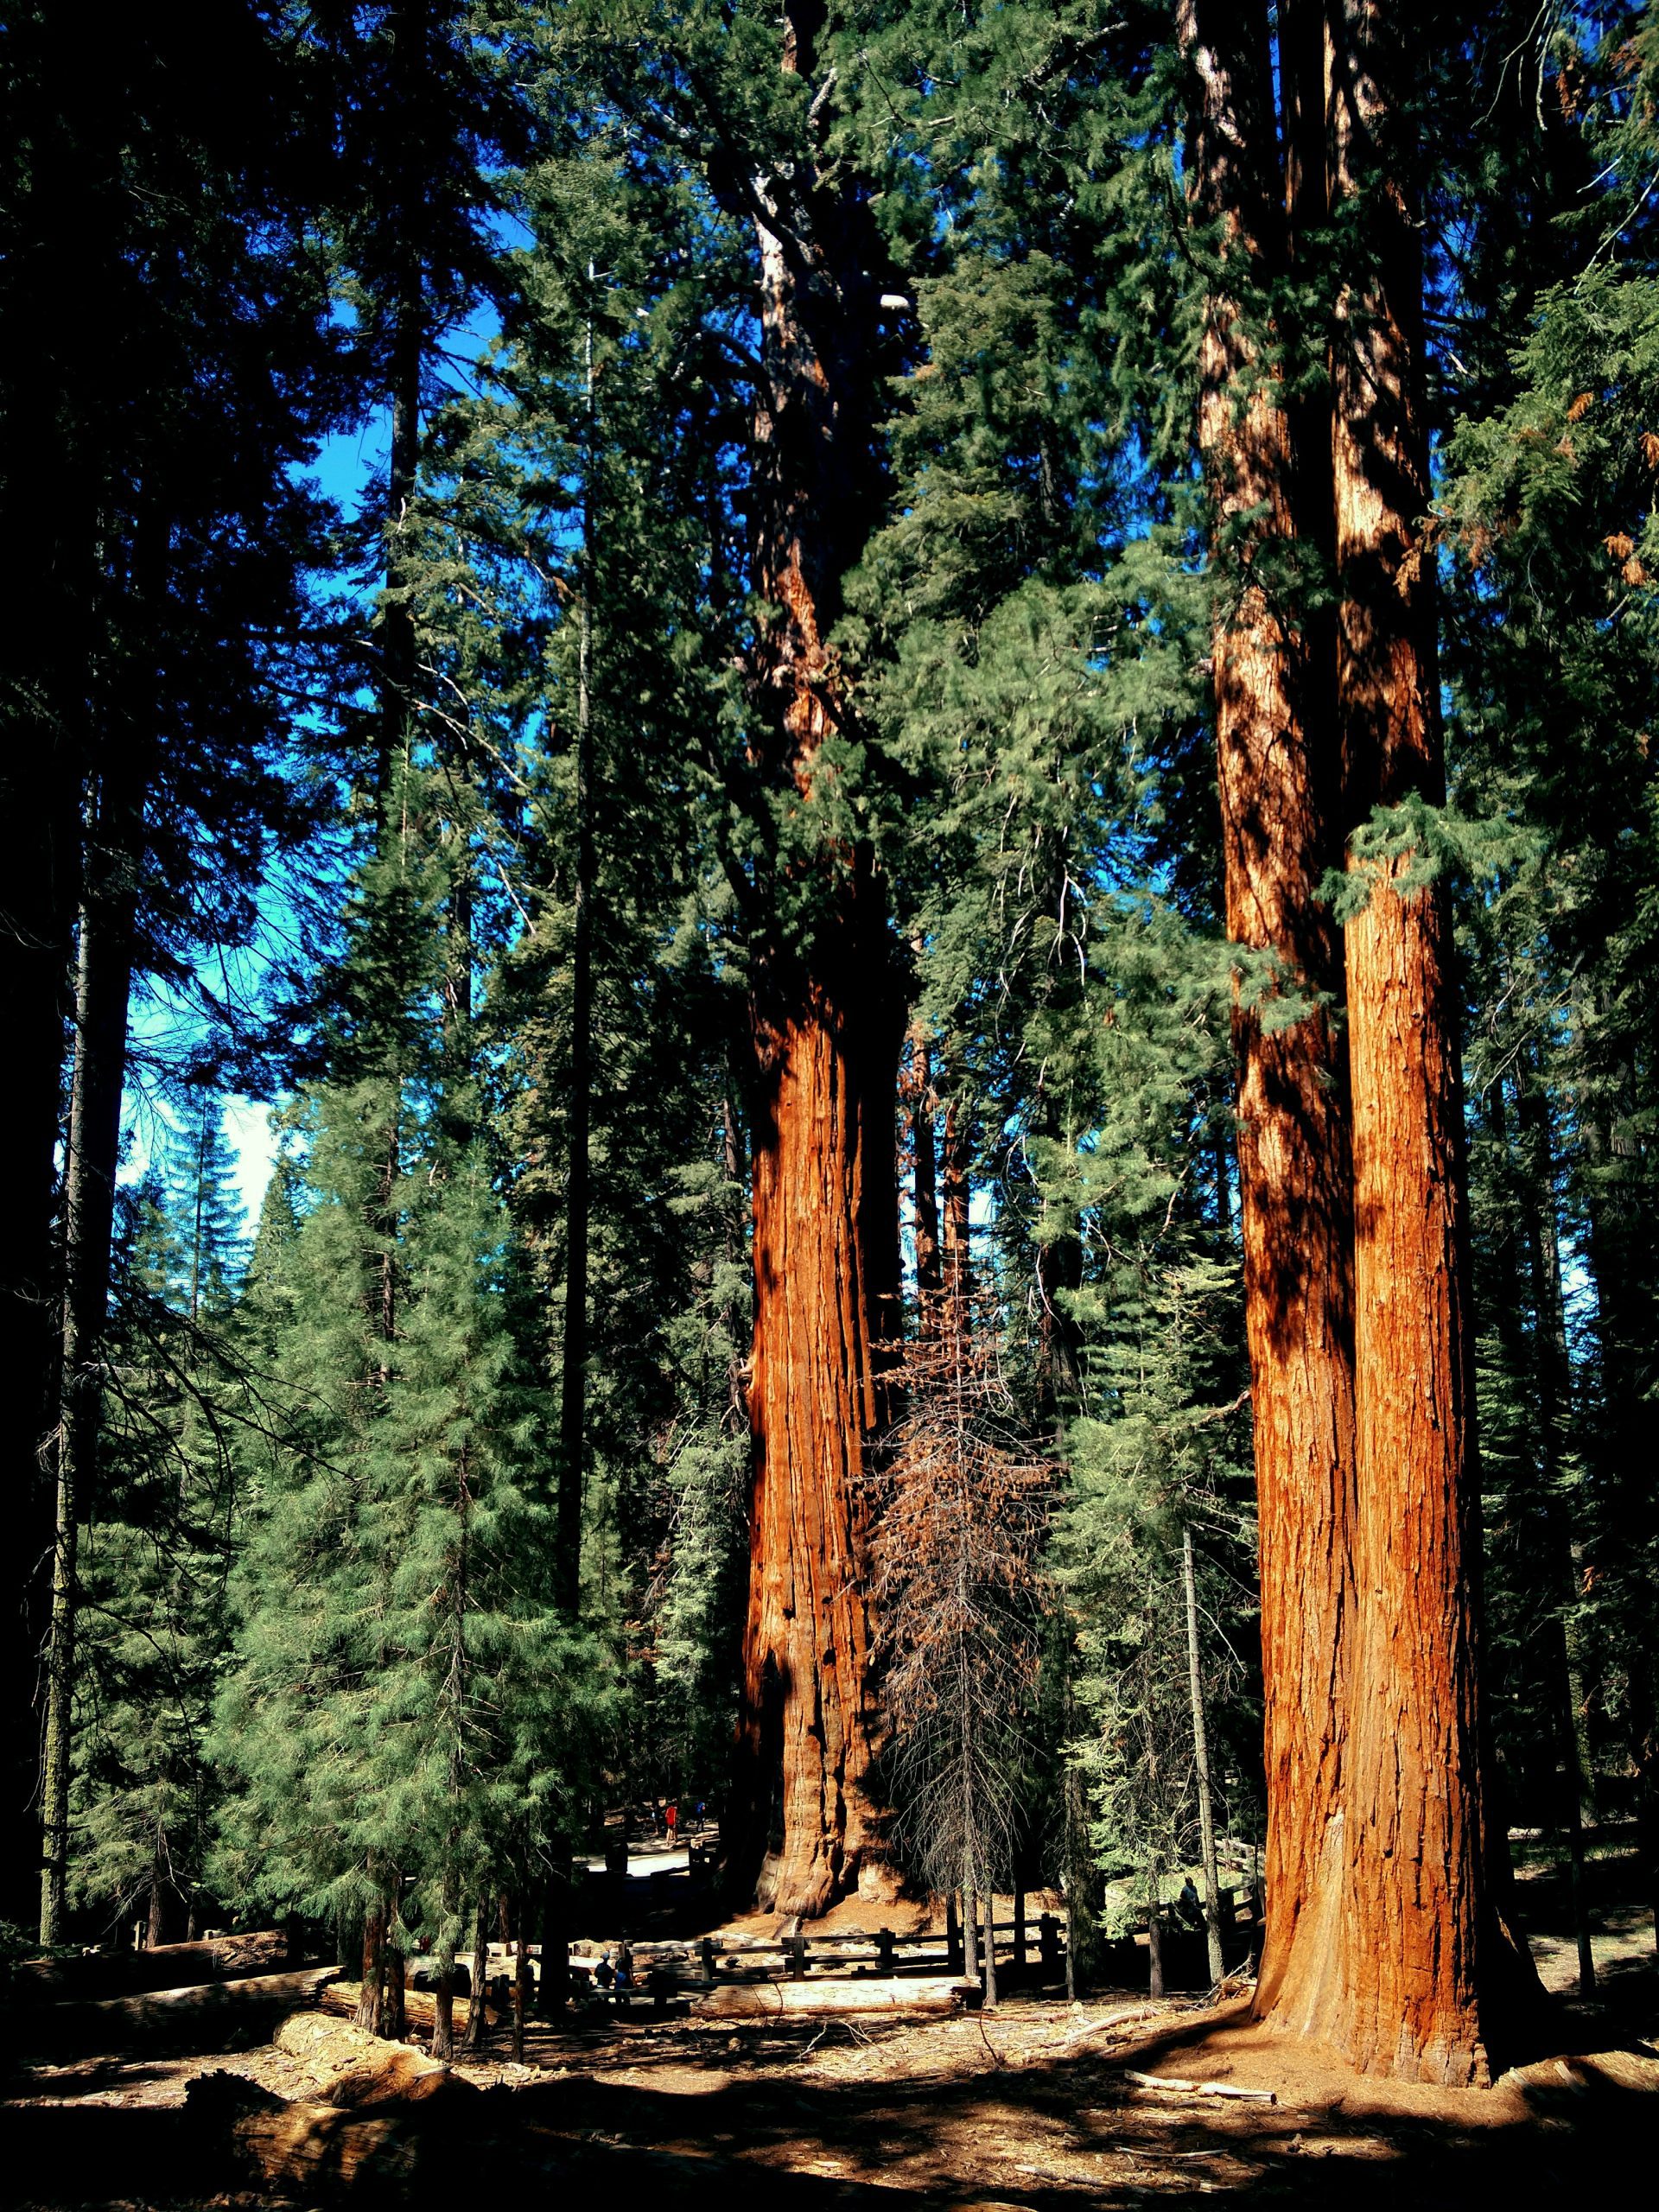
1279	768
1201	1765
395	2019
407	317
520	1982
1553	1384
924	1107
443	1998
54	302
572	1402
553	1987
104	987
372	1986
826	1026
955	1222
473	2039
1619	1249
1426	1964
1059	1273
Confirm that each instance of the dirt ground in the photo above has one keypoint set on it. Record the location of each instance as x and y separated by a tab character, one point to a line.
1031	2106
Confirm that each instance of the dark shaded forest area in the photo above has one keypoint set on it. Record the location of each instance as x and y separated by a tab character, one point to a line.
909	749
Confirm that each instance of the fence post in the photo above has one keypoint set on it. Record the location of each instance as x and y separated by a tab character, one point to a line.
1048	1936
952	1934
706	1950
884	1952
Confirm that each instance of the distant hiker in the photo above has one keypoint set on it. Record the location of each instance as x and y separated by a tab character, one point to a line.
670	1819
623	1971
1189	1905
605	1973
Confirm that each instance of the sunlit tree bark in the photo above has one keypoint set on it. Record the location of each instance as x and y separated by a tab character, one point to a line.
1280	784
1430	1975
827	1024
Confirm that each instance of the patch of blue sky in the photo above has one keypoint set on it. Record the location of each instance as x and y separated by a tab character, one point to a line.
173	1022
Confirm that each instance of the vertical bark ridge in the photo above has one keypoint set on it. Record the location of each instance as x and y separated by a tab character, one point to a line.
814	1397
826	1026
1426	1962
1279	780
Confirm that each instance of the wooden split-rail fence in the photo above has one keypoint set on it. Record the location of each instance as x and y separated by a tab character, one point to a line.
701	1962
1031	1950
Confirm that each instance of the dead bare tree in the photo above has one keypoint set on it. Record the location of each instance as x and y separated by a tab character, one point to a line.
960	1594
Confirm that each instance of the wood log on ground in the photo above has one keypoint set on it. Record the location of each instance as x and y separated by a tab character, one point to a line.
420	2007
1176	2087
318	2151
212	2015
99	1975
351	2069
772	2000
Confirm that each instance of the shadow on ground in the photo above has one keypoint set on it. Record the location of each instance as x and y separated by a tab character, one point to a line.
948	2118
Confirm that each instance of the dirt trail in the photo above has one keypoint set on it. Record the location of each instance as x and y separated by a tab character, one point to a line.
1029	2106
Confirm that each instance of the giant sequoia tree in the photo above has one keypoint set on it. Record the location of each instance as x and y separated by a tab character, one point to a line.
827	1021
1430	1974
1278	763
1387	1938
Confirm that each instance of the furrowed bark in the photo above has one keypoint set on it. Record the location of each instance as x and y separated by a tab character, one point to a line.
1280	783
1426	1964
822	1145
371	2003
826	1028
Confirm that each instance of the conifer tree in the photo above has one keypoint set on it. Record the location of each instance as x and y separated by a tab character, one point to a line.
159	1545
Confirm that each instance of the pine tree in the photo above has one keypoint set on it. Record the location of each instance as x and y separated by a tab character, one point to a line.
156	1551
208	1215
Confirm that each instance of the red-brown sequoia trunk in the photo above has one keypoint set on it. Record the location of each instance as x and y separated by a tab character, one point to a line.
1425	1959
1384	1936
1278	777
826	1031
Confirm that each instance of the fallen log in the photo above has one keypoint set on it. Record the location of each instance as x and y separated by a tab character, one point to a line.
420	2006
97	1974
354	2071
771	2000
321	2150
1180	2088
171	2023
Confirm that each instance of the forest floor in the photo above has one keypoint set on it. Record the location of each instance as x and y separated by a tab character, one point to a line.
1032	2106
